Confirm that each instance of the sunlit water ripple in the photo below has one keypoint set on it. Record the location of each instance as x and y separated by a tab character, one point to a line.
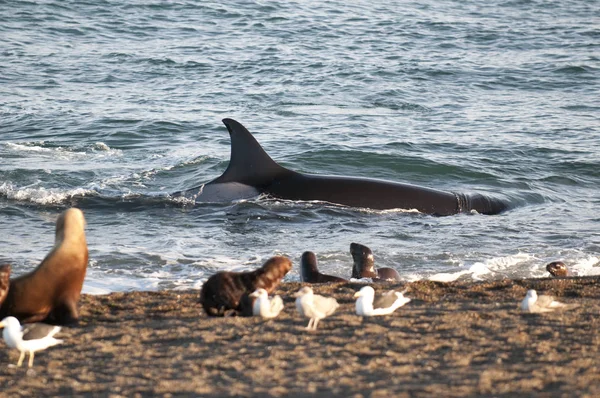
111	106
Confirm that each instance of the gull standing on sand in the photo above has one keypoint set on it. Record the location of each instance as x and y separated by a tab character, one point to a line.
536	304
314	306
264	306
367	305
29	338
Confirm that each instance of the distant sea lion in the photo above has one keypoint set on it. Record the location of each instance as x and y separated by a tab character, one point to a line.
364	265
557	268
227	293
50	292
309	272
4	281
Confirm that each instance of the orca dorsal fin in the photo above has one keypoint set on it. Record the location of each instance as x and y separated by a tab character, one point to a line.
249	163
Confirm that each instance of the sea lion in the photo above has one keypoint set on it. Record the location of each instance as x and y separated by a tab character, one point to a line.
310	273
227	293
557	268
4	281
364	265
50	292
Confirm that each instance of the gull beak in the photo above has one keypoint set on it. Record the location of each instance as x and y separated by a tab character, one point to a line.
253	294
357	294
2	325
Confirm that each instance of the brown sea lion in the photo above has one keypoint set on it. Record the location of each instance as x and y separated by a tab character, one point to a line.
364	265
4	281
557	268
309	272
226	293
50	292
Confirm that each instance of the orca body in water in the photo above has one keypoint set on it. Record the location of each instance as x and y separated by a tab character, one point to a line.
252	172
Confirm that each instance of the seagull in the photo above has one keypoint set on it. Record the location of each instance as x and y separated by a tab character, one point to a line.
265	307
29	338
314	306
534	303
383	305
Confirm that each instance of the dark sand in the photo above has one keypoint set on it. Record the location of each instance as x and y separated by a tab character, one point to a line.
453	339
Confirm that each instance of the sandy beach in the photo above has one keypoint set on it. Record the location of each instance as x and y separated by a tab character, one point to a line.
452	339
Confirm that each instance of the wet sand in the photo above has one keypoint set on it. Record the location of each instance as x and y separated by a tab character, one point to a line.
453	339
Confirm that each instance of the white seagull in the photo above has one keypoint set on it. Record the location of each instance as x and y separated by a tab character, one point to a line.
314	306
264	306
367	305
534	303
28	338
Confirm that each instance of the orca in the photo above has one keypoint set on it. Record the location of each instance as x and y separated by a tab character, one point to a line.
252	172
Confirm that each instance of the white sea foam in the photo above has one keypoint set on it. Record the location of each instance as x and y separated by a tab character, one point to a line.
104	284
41	195
586	266
479	270
98	150
101	146
174	276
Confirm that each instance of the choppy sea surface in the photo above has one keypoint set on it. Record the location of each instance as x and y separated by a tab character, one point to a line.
112	106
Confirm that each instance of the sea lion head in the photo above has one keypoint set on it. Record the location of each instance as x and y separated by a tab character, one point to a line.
308	266
70	225
272	271
364	262
557	268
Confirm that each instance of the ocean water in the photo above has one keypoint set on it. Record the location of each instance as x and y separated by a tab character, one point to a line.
112	106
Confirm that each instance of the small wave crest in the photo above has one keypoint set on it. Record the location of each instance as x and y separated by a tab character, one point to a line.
41	195
99	149
479	270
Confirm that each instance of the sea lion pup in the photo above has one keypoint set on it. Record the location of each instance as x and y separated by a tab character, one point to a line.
310	273
225	293
557	268
50	292
4	281
364	265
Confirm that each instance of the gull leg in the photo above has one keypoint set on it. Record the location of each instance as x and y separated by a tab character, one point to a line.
30	358
21	358
315	324
309	327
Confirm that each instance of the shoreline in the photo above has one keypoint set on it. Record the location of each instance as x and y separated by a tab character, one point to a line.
452	339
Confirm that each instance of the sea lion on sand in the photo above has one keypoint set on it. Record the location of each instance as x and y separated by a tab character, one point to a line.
4	281
310	273
557	268
364	265
227	293
50	292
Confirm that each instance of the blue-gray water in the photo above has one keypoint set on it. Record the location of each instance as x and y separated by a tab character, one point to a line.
110	106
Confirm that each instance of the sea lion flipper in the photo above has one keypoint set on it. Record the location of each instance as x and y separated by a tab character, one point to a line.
65	313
